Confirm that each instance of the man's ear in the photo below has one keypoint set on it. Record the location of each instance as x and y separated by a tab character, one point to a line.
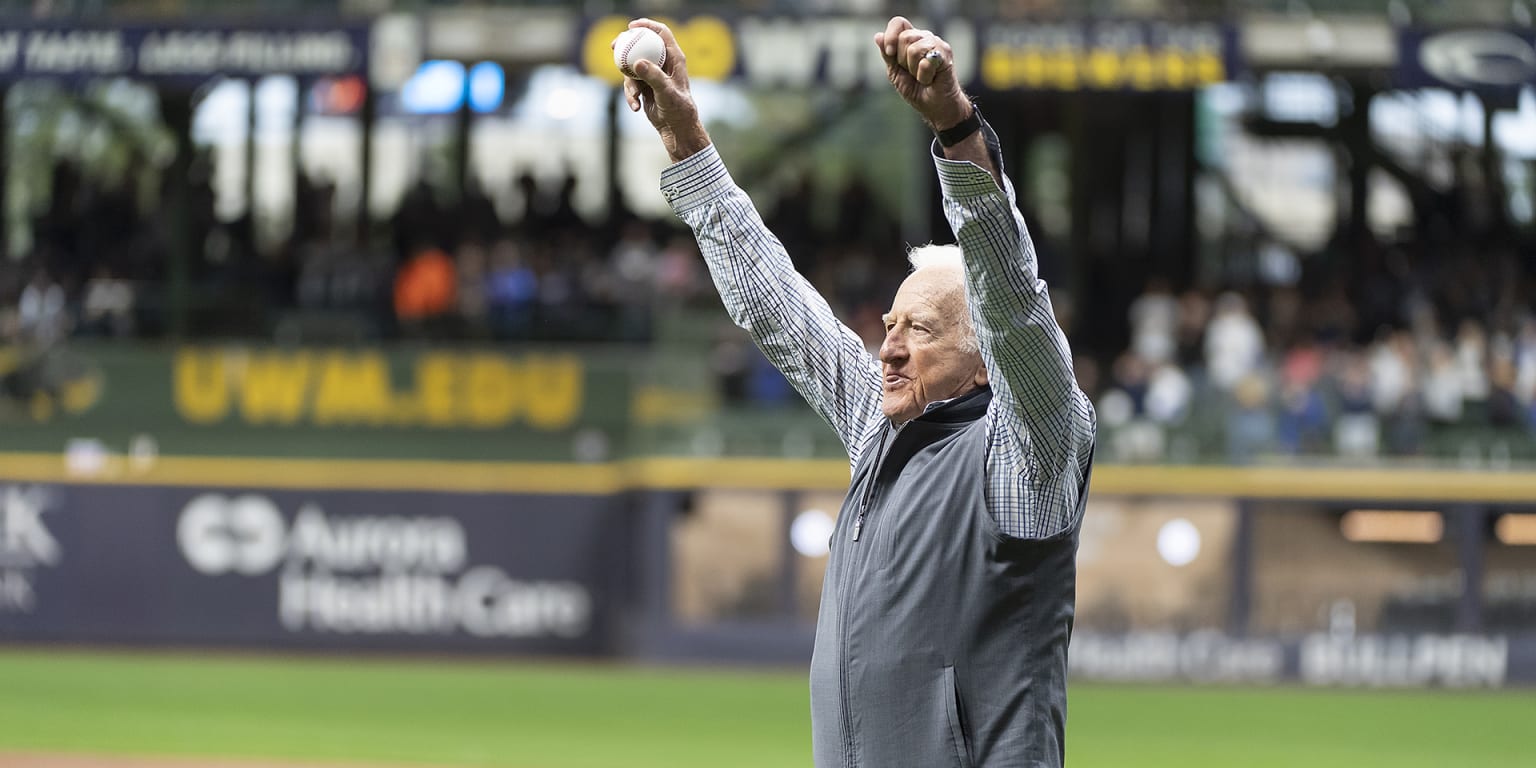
981	375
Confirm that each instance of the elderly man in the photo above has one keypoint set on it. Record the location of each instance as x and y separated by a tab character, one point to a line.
948	600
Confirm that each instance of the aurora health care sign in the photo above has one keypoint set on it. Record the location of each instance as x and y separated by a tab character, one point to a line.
337	569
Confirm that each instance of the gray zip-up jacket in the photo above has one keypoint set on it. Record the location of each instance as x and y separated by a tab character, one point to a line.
954	607
940	642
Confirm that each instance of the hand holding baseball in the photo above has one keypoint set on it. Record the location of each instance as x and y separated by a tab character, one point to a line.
638	44
660	89
921	66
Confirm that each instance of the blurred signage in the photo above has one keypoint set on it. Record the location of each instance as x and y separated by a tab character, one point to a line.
26	545
1485	59
385	401
387	570
799	52
350	388
1105	55
1206	657
180	53
1323	659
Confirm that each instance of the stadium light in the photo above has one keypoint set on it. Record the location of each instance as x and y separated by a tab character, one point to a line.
1516	530
487	86
1178	542
811	532
436	88
1392	525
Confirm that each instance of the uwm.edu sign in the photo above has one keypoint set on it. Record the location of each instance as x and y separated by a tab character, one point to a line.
176	53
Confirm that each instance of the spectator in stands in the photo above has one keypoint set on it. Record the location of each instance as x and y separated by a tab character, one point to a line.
1302	420
1194	316
513	291
473	290
1154	319
677	270
1356	432
1250	427
426	290
1472	362
1234	342
632	261
107	307
1443	395
42	312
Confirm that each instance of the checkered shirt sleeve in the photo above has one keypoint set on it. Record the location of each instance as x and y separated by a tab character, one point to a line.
1032	484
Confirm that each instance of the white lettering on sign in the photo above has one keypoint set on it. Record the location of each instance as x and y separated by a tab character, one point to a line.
26	544
24	540
484	602
1454	661
1207	656
66	52
196	52
172	53
374	574
432	544
10	50
794	53
295	52
16	594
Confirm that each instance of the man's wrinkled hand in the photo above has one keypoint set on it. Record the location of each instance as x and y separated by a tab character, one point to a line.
662	94
921	67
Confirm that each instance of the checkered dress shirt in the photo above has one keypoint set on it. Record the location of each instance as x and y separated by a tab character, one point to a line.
1040	424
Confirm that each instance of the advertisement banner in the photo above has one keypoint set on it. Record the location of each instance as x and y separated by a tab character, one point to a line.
180	53
990	54
1106	55
361	402
1485	59
329	569
1419	660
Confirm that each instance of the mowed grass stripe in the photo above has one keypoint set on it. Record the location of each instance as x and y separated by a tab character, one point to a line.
527	715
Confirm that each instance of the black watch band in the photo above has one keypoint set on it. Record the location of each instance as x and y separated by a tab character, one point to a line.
960	131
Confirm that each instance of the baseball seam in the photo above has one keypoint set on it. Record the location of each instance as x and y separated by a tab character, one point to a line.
630	46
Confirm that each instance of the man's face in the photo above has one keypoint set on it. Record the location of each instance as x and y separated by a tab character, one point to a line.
925	356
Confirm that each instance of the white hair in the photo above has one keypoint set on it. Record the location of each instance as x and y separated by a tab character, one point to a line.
931	255
948	257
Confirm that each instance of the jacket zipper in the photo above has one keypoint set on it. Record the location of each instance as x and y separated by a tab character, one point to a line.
850	759
869	494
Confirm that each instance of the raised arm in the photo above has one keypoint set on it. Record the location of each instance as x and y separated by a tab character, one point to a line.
790	322
1037	404
1042	423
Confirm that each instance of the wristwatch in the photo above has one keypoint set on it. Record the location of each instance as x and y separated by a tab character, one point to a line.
958	132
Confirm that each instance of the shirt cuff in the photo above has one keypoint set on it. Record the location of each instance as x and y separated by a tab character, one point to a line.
695	180
963	179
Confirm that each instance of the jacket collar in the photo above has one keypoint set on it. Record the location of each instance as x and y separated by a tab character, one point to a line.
967	407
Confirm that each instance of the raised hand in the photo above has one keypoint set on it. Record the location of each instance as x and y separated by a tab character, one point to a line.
662	92
921	67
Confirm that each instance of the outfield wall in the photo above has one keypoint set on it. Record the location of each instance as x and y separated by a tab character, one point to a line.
691	560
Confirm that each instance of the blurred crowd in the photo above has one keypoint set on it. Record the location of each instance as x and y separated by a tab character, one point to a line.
441	267
1379	359
1438	365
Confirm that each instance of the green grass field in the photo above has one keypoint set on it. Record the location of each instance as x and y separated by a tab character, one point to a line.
526	715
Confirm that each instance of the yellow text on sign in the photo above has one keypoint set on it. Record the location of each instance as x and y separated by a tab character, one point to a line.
347	388
707	42
1072	69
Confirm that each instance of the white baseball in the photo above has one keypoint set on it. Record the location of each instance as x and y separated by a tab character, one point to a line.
632	45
